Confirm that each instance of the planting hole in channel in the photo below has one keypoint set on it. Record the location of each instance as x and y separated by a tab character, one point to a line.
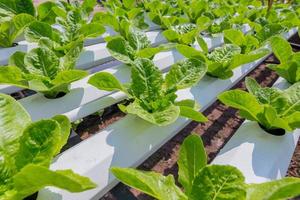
275	132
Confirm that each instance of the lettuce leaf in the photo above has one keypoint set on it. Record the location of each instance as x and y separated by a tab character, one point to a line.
289	67
27	150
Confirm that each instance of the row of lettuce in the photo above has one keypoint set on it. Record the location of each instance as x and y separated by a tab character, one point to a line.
60	29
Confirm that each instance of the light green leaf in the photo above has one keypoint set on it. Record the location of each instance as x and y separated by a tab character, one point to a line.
12	75
147	80
203	45
38	144
65	130
234	36
171	35
32	178
192	158
203	23
289	71
243	101
190	113
138	40
21	21
13	119
218	182
42	61
149	52
107	19
285	188
281	48
293	120
45	12
185	73
88	5
271	96
293	95
17	59
241	59
129	3
153	184
268	31
72	53
37	30
92	30
188	103
190	52
68	76
106	81
121	50
159	118
224	54
219	70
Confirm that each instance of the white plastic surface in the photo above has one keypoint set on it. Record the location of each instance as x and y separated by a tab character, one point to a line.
260	156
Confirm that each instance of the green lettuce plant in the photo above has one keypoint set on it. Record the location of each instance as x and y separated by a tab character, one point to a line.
132	44
247	42
219	13
268	31
193	9
117	11
27	150
71	31
182	33
289	67
188	33
55	11
42	70
223	60
164	14
153	96
220	25
272	108
73	26
15	15
262	19
201	181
